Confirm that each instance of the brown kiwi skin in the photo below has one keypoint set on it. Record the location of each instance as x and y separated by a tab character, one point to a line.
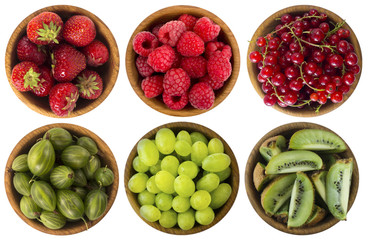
260	179
318	214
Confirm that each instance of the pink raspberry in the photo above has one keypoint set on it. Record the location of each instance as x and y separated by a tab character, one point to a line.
156	28
196	67
206	29
188	20
170	32
161	58
152	86
201	96
144	69
215	46
176	82
144	43
219	67
190	45
175	102
215	85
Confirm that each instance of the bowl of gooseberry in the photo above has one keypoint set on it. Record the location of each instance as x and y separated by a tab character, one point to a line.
304	61
181	178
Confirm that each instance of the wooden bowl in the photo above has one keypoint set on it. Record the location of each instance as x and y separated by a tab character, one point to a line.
268	26
233	180
163	16
108	71
255	197
107	159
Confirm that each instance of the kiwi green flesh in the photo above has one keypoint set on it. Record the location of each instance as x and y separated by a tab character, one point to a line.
317	140
269	148
318	214
301	202
281	142
338	181
319	181
260	179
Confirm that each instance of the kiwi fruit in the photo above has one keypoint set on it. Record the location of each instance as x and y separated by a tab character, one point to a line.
318	214
272	146
260	179
301	202
317	140
338	181
294	161
319	181
282	214
277	193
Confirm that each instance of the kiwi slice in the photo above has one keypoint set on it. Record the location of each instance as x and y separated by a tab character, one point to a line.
272	147
277	193
260	179
301	202
319	181
294	161
318	214
317	140
282	214
338	182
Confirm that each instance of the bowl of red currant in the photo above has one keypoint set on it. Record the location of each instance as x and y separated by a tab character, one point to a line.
304	61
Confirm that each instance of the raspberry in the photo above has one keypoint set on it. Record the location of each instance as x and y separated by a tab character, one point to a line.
162	58
144	43
201	96
177	60
206	29
175	102
176	82
215	46
170	32
144	69
188	20
190	45
215	85
152	86
219	67
156	28
196	67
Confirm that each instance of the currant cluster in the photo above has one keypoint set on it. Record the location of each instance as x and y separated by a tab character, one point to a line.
305	61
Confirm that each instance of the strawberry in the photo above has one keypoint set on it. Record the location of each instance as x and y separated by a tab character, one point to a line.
63	98
67	62
25	76
79	30
45	28
96	53
90	84
29	51
46	82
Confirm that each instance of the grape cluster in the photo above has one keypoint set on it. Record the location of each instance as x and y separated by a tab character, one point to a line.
305	61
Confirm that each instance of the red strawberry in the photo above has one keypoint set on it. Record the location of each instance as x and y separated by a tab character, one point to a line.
46	82
79	30
68	62
25	76
63	98
90	84
29	51
96	53
45	28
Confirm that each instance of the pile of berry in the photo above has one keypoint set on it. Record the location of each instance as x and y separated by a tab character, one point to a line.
183	62
56	60
305	61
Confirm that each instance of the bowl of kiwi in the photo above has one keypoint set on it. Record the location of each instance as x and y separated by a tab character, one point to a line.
301	178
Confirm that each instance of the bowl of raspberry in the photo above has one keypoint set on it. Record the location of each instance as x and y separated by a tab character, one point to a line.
182	60
304	61
62	61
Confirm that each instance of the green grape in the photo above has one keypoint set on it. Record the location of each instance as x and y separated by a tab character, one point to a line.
168	218
150	213
170	163
197	136
146	198
223	175
220	195
148	152
199	152
139	166
184	186
188	168
186	220
216	162
205	216
137	183
183	148
200	200
165	140
215	146
180	204
184	135
151	185
155	168
208	182
165	181
163	201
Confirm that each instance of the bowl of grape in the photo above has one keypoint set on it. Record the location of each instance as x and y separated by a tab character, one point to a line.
304	61
181	178
302	178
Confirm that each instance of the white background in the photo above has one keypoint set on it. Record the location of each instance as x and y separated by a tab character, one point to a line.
242	119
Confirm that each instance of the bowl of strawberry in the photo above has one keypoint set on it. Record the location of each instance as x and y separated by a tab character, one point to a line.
304	61
182	60
62	61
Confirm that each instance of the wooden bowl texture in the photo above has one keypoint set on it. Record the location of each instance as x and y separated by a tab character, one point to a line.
233	180
163	16
108	71
268	26
107	159
255	197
